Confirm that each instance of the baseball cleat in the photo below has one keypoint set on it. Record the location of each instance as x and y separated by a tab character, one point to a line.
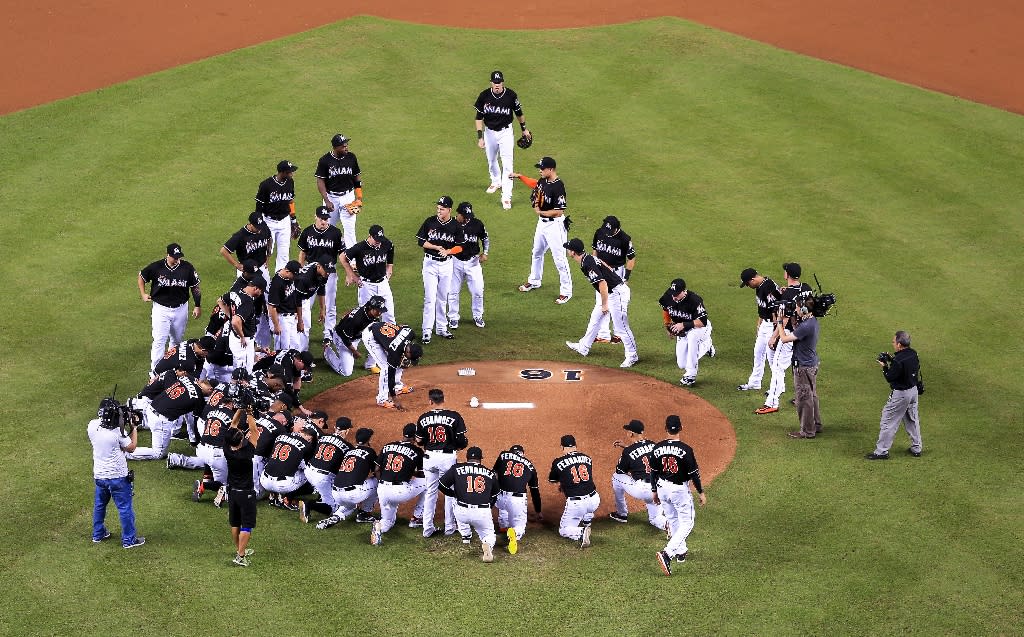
629	362
766	410
425	339
585	537
682	557
376	536
746	387
526	287
447	335
240	560
876	456
712	352
363	517
576	347
328	522
288	503
197	490
688	381
619	517
493	188
602	340
466	539
106	536
453	325
374	370
506	205
415	523
488	554
303	512
222	494
665	562
562	299
406	389
386	404
479	322
916	454
139	541
513	542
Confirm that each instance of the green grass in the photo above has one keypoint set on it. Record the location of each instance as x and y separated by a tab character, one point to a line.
717	154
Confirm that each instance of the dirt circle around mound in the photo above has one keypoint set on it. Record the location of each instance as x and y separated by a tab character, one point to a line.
590	402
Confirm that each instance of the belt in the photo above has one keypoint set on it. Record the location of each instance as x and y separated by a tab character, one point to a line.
582	497
277	218
514	495
430	256
547	219
286	313
472	506
352	488
380	280
278	478
326	473
439	451
394	484
338	194
676	484
498	130
173	307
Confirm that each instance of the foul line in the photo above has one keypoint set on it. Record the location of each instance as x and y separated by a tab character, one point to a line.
507	405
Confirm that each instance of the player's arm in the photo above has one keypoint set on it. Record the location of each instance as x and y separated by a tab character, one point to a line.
447	483
350	274
478	122
602	289
535	492
321	187
529	181
230	258
321	297
630	264
302	257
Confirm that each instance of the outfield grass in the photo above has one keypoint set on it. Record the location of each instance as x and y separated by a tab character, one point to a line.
717	153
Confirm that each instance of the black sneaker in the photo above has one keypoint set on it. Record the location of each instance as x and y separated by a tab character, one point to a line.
876	456
665	562
106	536
618	517
916	454
364	518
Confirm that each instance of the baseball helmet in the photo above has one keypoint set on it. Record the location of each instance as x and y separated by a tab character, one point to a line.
378	302
524	142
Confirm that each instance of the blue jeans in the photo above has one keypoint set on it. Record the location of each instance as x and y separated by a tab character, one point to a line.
121	490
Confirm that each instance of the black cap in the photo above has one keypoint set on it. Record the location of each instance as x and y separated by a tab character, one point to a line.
568	440
516	448
611	223
307	359
677	286
208	343
746	275
545	162
249	266
673	425
286	399
174	250
343	423
445	201
285	166
339	140
635	426
179	364
256	218
377	232
293	266
574	245
497	77
792	269
474	453
363	434
322	212
318	415
415	353
465	209
240	373
378	302
275	369
256	278
409	430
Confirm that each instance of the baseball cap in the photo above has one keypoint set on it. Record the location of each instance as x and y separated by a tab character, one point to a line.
377	232
445	201
174	250
516	448
746	275
415	353
635	426
249	266
497	77
363	434
256	218
474	453
378	302
343	423
574	245
677	286
208	343
293	266
275	369
545	162
256	278
285	399
611	222
240	373
179	364
409	430
568	440
465	209
339	140
792	269
285	166
322	212
318	415
673	425
307	359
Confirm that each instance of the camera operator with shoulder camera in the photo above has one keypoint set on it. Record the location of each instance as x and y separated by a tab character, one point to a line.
903	372
113	433
804	336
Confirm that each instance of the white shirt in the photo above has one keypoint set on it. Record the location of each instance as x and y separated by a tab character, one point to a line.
108	460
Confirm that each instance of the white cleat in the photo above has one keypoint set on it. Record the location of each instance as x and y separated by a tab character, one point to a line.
629	362
576	347
493	188
507	205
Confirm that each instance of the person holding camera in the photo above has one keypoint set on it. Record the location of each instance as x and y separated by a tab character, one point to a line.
903	371
804	336
239	451
110	443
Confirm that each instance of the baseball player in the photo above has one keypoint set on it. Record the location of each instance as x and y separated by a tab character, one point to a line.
440	237
241	307
219	364
170	280
515	474
401	480
322	468
767	294
322	243
612	298
780	353
171	396
614	248
239	451
371	267
192	353
250	243
441	432
393	350
494	109
275	200
573	472
355	485
210	450
549	204
687	322
252	272
284	307
269	426
340	186
467	266
310	281
284	472
673	469
474	488
633	476
343	349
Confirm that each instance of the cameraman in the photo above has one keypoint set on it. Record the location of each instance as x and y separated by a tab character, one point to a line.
110	472
804	336
902	370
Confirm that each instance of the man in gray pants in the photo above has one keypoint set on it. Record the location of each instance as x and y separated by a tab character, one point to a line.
902	370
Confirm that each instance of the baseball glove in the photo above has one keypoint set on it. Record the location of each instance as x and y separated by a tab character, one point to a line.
536	196
567	222
296	230
354	208
525	141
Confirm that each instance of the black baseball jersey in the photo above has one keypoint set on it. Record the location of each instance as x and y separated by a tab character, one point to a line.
308	282
358	464
221	353
217	422
442	430
496	110
474	234
446	234
269	430
340	174
285	358
574	472
290	449
613	249
350	327
372	261
515	472
470	483
552	195
330	451
244	306
393	338
274	198
794	292
595	271
172	397
636	460
170	286
673	461
322	247
247	245
216	397
282	295
185	353
239	463
690	308
259	302
400	461
767	295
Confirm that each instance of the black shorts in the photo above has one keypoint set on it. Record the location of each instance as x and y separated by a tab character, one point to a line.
242	508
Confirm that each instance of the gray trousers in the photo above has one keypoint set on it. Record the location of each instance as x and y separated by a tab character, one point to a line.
806	381
901	408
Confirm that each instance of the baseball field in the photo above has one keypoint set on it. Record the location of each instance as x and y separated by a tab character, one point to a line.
718	153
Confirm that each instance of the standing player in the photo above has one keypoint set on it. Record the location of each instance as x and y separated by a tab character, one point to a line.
284	306
322	468
275	200
612	298
322	243
767	294
250	243
573	472
494	109
340	186
310	281
549	204
614	248
442	432
633	476
250	272
393	350
673	469
439	236
467	266
401	480
515	474
686	320
239	451
171	278
474	489
780	353
343	349
371	267
241	307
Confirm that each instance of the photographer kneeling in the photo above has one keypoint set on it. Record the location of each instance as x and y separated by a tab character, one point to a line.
110	442
902	370
804	336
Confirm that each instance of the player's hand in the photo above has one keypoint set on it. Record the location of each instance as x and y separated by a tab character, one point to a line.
300	326
604	309
195	312
398	405
483	258
527	134
276	330
329	205
656	499
146	298
244	341
355	353
322	316
703	499
351	279
480	143
617	444
514	175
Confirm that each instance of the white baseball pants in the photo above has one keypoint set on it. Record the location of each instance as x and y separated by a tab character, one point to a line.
219	373
512	512
779	359
323	483
330	295
604	331
161	429
472	273
368	289
471	517
435	463
168	329
578	510
341	217
550	235
243	356
391	496
362	496
380	358
284	486
280	240
677	502
623	484
764	333
258	462
689	349
618	301
343	361
498	146
213	457
437	280
289	336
